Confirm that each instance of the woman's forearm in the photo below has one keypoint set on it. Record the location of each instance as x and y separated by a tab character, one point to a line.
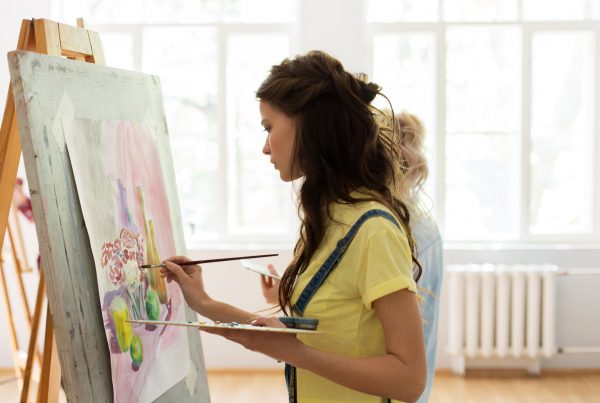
222	312
386	375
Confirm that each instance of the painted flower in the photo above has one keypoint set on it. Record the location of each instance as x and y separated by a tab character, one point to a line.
122	258
107	251
140	253
115	270
117	246
128	238
132	273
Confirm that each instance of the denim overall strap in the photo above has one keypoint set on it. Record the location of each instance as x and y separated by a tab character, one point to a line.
317	280
335	257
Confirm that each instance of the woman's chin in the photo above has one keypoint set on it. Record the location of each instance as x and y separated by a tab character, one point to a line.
285	178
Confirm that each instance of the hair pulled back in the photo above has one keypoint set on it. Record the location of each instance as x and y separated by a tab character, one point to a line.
339	148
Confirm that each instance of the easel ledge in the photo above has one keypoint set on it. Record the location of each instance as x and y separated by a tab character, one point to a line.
56	39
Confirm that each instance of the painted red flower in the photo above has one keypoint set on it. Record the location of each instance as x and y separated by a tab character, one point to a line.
107	251
115	270
116	255
128	238
140	253
117	247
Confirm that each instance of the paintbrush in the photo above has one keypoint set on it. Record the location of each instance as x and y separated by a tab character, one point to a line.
155	266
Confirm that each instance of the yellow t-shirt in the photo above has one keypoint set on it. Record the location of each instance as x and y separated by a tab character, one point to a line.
377	263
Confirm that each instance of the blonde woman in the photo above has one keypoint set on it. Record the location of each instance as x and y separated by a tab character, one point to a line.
426	234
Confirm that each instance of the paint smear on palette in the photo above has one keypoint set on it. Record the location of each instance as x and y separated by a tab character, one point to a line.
121	186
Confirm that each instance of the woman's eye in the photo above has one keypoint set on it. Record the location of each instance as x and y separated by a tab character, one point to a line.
267	129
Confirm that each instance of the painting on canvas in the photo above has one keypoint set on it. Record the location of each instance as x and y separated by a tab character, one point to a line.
121	187
107	126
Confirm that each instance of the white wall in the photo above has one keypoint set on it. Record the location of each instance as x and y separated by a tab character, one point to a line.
344	36
579	302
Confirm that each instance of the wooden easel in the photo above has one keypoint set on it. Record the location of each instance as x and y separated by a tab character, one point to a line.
21	266
56	39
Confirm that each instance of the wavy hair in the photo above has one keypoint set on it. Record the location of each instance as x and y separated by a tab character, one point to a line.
414	162
339	148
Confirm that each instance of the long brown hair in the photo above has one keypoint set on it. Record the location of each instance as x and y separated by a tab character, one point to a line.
339	148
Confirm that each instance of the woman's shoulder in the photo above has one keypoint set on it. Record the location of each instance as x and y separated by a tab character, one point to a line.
347	214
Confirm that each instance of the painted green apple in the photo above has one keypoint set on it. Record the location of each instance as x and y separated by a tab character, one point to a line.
137	352
152	304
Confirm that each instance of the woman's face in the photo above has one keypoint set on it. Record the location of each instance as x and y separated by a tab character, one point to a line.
279	145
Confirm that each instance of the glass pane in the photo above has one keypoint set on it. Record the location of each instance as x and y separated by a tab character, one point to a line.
402	10
108	11
404	66
483	92
70	10
181	11
138	11
255	190
186	61
118	49
559	9
482	201
562	132
480	10
272	11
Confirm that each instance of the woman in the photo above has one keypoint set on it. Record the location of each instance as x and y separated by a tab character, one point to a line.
354	236
427	236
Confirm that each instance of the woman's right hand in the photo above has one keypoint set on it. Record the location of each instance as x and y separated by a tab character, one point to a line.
189	279
270	286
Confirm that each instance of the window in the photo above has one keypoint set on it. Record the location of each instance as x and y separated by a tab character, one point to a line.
508	90
211	56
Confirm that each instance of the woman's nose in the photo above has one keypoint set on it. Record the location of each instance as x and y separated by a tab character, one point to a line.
266	148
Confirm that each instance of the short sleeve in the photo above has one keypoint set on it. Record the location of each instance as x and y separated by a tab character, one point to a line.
386	265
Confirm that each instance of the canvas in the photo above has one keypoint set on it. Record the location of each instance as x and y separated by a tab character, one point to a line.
113	126
121	188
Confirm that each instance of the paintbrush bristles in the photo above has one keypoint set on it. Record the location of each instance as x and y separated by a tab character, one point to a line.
151	266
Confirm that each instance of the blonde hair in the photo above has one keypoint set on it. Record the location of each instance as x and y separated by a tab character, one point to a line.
414	162
412	165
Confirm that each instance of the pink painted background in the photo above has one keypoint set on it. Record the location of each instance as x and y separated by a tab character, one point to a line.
110	159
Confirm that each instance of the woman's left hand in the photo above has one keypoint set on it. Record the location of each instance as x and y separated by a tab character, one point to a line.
280	346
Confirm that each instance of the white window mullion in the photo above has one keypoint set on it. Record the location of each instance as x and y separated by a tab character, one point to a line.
440	142
223	138
596	138
520	10
138	35
525	151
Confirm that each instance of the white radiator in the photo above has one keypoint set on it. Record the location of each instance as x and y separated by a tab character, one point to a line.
501	311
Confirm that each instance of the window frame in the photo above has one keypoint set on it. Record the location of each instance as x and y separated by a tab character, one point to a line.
437	166
225	234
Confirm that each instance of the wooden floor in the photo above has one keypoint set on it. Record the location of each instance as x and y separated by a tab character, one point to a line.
551	387
268	387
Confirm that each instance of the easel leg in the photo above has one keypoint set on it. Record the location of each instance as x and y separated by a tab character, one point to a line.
39	302
10	153
19	271
49	388
11	322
